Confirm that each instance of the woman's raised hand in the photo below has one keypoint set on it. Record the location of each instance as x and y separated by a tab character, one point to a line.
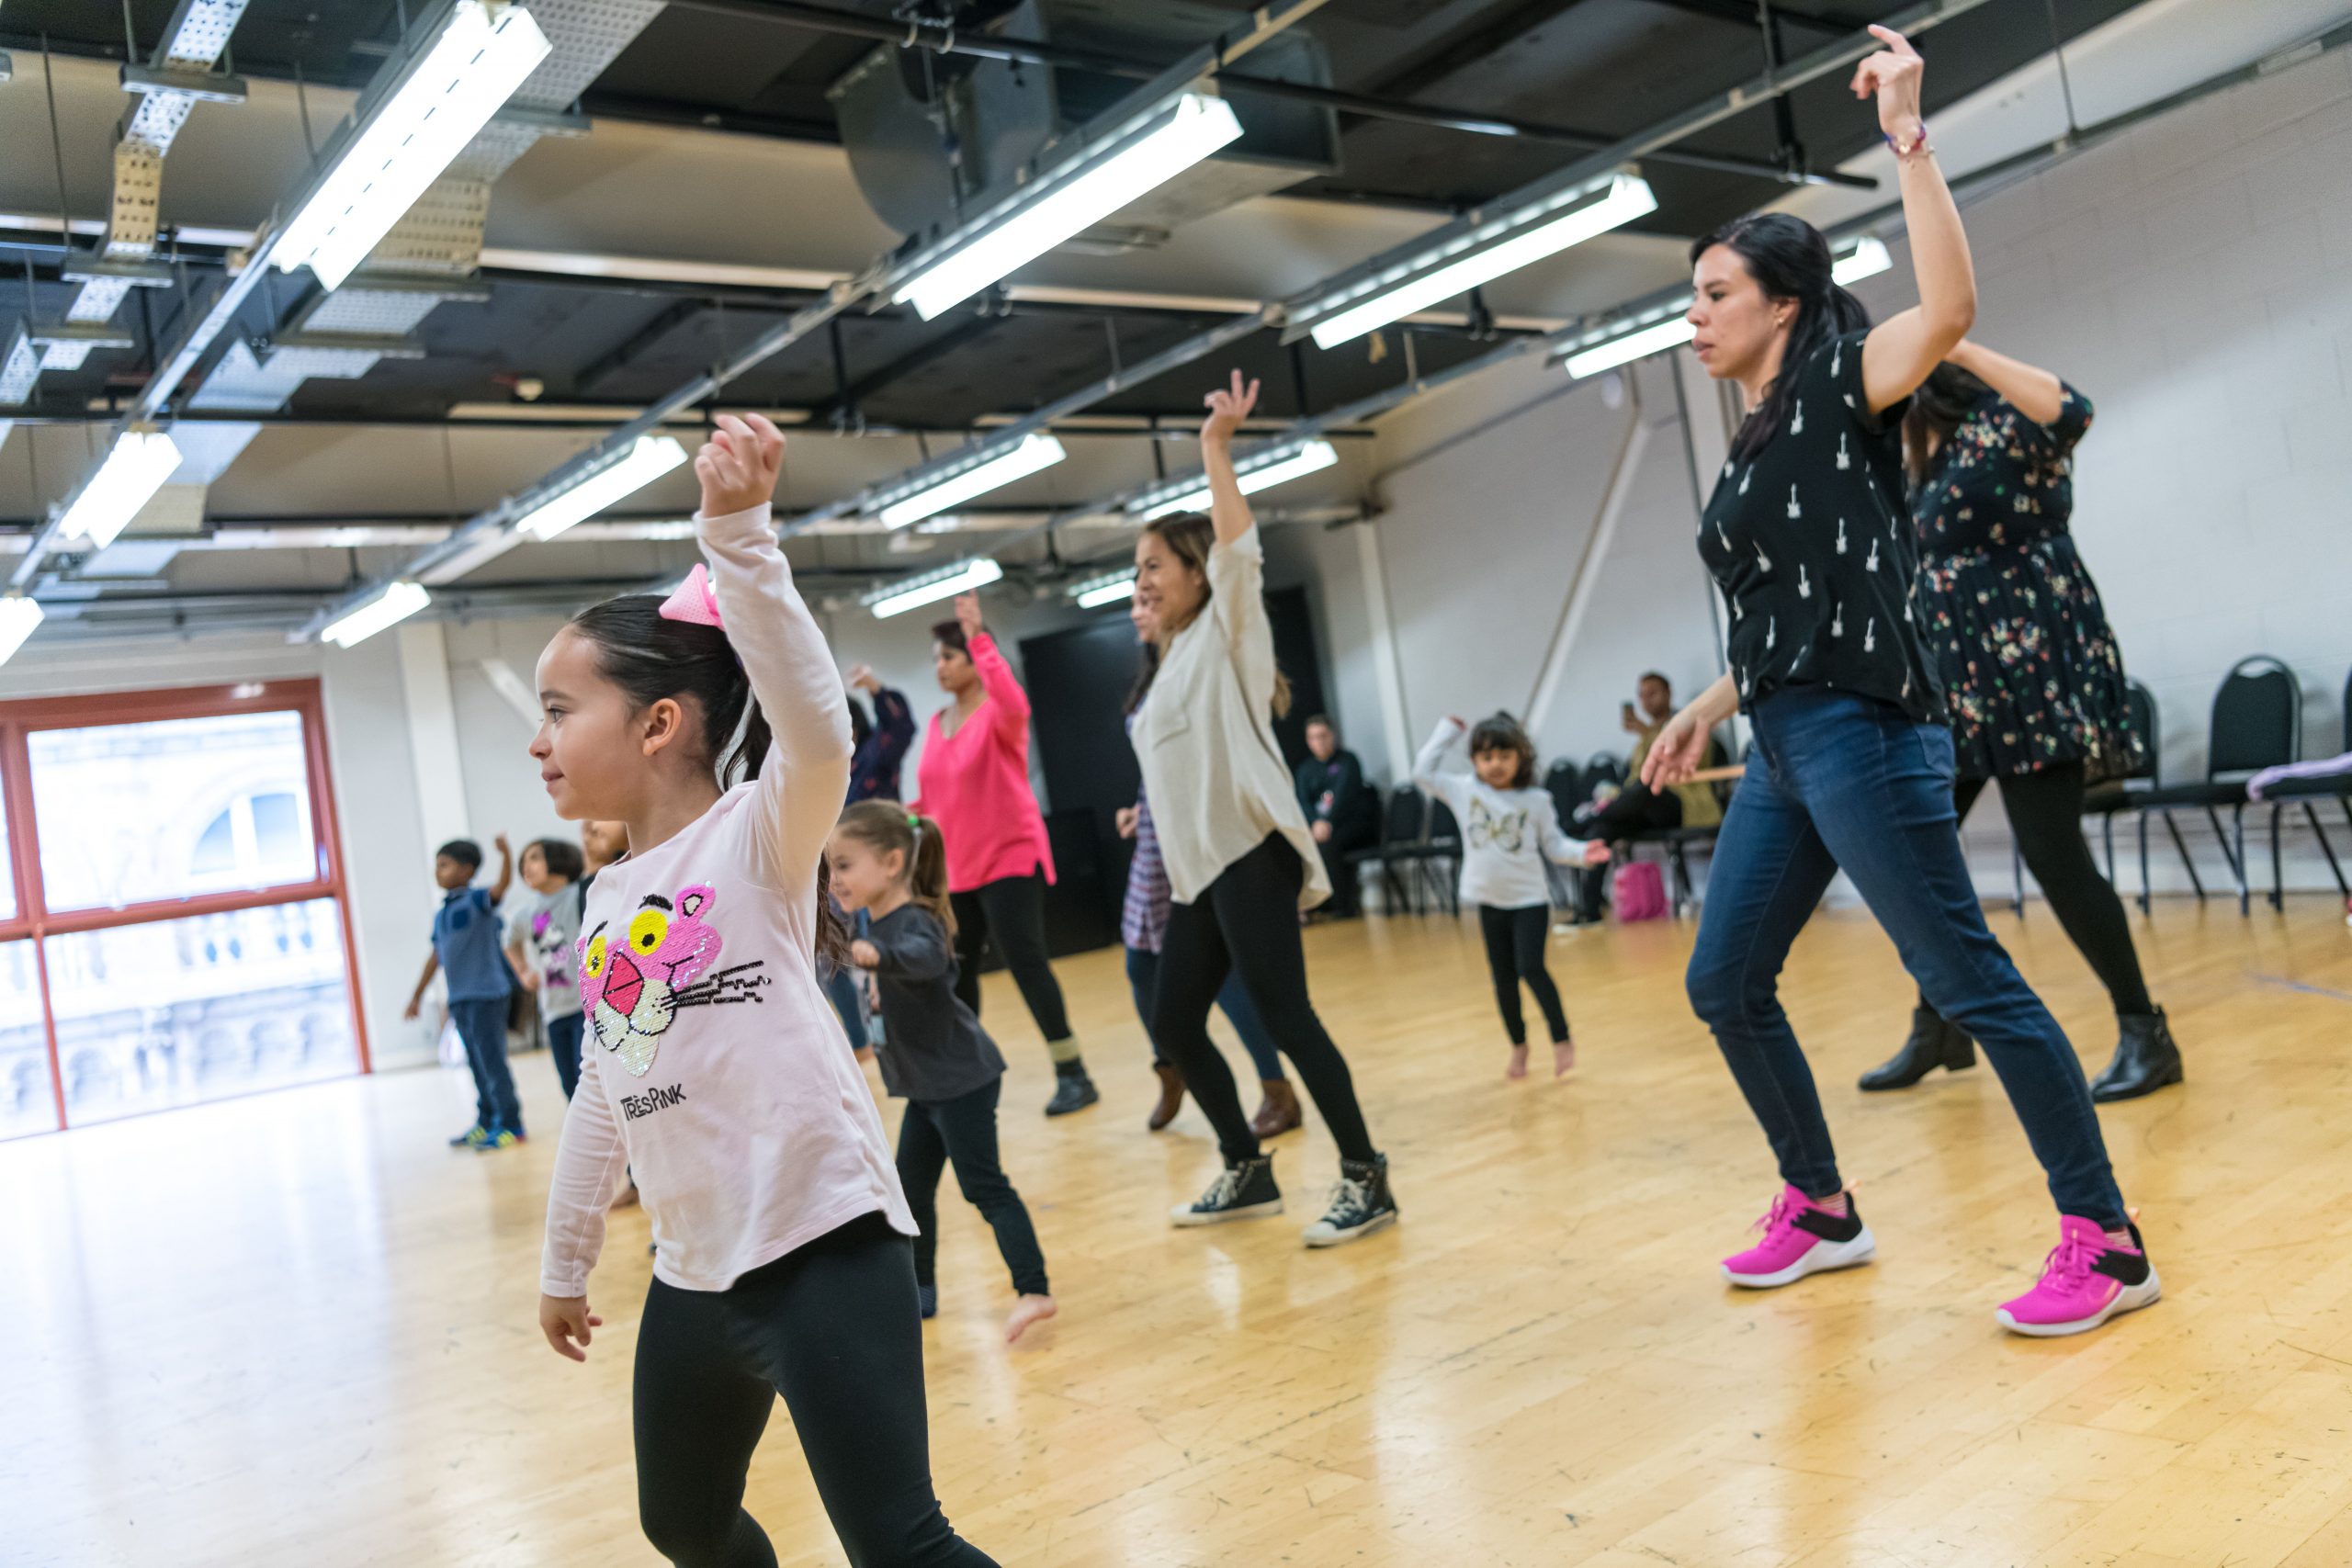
1229	406
738	466
967	614
1894	75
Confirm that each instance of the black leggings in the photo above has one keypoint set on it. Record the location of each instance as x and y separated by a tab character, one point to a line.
961	1131
1012	911
833	1327
1515	940
1247	919
2045	811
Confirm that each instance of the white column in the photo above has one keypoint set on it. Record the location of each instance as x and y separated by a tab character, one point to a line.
1587	582
433	732
1385	667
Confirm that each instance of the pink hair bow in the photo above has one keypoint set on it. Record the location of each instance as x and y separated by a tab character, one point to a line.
694	601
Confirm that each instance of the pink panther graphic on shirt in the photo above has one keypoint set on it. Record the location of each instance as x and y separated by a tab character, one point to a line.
634	982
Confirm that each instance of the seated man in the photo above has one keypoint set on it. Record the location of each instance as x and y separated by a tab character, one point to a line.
1341	810
1636	808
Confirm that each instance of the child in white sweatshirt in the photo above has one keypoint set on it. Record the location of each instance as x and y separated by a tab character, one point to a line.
1509	828
713	1066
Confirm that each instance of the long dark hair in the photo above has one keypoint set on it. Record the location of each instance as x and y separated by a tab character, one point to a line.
1946	397
885	825
650	656
1190	538
1789	260
1500	732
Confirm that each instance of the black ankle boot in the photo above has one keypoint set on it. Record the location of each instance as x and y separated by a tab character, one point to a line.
2146	1059
1073	1091
1933	1043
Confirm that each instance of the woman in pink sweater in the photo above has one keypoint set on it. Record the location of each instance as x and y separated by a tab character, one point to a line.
974	780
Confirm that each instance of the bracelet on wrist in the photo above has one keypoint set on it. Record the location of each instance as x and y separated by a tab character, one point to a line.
1917	147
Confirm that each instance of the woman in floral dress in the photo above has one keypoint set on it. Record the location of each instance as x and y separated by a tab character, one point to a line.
2031	671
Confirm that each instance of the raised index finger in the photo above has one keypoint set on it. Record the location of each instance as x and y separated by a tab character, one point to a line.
1894	41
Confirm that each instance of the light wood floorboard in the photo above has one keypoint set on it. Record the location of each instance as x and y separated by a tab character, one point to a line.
296	1330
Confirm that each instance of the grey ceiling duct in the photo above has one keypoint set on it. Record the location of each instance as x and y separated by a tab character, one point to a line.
931	136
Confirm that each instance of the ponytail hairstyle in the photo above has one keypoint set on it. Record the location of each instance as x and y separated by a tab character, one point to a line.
1946	397
1500	732
883	826
650	657
1789	260
1190	538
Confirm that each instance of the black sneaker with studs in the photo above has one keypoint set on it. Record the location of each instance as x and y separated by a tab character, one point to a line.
1242	1192
1360	1204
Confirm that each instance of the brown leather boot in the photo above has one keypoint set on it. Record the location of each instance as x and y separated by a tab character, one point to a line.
1171	1095
1278	1112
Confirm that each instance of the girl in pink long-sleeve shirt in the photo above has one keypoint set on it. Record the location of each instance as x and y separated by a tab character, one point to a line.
974	779
712	1067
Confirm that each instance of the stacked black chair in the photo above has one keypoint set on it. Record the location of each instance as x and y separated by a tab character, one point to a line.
1403	821
2308	794
2257	722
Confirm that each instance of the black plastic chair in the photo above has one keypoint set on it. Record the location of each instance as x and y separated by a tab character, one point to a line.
2257	722
1403	820
2308	794
1437	858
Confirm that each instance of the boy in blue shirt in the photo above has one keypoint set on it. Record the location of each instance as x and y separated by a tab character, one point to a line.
466	946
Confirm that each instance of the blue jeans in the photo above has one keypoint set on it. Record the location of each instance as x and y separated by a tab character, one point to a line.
1233	1001
1837	780
563	1044
481	1025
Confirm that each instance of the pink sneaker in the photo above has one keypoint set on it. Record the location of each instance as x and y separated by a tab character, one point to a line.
1801	1237
2085	1279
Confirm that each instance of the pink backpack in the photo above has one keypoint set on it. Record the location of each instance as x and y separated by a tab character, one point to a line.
1641	891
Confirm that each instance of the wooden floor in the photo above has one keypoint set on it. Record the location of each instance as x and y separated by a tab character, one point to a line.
296	1330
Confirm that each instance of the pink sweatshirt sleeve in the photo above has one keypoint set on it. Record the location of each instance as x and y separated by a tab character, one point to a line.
1008	704
587	1163
806	772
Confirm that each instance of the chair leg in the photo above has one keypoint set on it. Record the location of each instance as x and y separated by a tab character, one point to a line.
2278	877
2181	844
2310	813
2237	850
2017	878
2145	889
2229	849
2107	836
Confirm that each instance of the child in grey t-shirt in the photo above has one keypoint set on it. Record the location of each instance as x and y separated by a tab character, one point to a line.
548	936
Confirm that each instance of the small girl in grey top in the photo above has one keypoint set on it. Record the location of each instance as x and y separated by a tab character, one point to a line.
891	865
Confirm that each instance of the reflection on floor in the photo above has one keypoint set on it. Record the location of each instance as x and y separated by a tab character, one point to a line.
296	1330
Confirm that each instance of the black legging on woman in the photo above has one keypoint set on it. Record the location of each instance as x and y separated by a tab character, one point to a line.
1247	919
2045	811
1515	940
833	1326
1011	912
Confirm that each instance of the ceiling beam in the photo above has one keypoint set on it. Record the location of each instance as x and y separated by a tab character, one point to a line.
1749	12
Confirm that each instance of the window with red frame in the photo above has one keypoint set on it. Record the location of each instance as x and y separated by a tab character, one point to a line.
173	927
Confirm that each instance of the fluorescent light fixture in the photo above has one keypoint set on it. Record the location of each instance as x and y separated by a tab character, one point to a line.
465	77
1097	591
133	471
1867	259
1482	254
911	503
1260	471
19	617
646	459
394	604
933	586
1060	204
1605	351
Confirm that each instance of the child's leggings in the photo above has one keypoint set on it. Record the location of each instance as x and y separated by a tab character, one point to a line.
1515	940
961	1133
833	1327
